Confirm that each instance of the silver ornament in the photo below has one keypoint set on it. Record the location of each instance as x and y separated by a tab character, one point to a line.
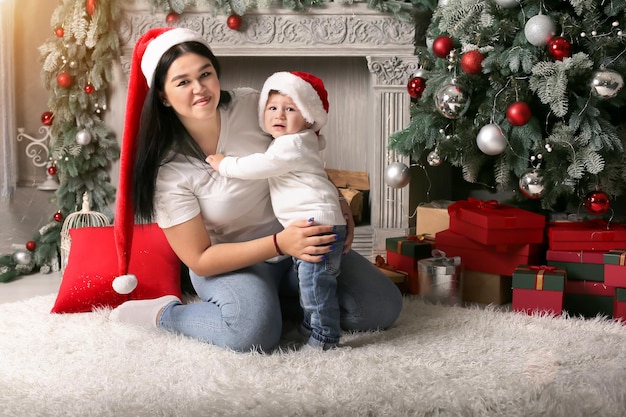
530	185
397	175
491	140
539	29
507	4
442	3
606	83
22	257
433	158
451	101
83	137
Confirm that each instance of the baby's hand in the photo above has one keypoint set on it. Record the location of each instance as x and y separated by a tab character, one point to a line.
214	160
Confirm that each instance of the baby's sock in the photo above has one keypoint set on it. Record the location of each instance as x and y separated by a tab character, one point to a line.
142	312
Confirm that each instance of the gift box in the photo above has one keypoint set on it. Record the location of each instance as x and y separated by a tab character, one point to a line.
595	235
580	265
432	217
619	305
485	288
615	268
400	278
494	259
538	289
588	299
439	278
491	223
404	252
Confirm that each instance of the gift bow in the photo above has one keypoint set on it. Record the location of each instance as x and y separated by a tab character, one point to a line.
541	269
473	203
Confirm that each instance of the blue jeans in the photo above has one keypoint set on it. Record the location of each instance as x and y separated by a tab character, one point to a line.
318	294
243	310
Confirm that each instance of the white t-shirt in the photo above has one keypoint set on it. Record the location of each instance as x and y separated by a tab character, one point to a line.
299	184
233	210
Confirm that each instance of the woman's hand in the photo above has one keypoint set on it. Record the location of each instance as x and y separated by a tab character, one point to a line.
299	239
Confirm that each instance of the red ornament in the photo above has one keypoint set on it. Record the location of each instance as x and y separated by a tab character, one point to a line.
58	217
597	202
442	46
559	48
47	117
59	32
471	62
90	5
234	21
89	88
52	170
64	80
416	87
172	18
518	113
31	245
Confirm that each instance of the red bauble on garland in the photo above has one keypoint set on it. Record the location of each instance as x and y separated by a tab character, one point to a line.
518	113
89	88
471	62
172	18
90	5
416	86
52	170
559	48
58	217
60	32
597	202
234	21
64	80
47	117
442	46
31	245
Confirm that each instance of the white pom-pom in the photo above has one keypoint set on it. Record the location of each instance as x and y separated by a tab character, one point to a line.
125	284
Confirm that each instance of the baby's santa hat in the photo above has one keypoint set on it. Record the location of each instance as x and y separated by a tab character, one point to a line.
307	92
147	53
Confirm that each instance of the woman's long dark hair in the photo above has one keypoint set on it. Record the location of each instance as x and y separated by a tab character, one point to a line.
160	131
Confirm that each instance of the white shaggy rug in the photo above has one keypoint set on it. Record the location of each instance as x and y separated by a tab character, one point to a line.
436	361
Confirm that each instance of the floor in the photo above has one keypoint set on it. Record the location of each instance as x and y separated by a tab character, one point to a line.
20	218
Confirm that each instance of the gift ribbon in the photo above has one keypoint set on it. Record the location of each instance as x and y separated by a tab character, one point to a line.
426	238
541	270
622	256
473	203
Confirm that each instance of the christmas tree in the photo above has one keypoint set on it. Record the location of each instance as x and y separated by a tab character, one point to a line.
524	96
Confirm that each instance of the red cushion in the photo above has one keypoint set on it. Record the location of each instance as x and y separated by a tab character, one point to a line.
92	267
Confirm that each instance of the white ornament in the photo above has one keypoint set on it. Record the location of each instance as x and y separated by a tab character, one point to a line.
507	4
433	158
397	175
606	83
539	30
491	140
83	137
125	284
22	257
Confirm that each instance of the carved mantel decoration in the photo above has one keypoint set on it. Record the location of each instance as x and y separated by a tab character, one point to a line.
334	30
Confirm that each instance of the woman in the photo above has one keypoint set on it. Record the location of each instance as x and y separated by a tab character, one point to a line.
224	229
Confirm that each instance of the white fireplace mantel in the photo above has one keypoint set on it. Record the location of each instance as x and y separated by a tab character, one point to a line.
334	30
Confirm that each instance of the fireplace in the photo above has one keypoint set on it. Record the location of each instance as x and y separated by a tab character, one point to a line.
365	59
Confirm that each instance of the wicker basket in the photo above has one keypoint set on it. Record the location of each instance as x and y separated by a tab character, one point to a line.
83	218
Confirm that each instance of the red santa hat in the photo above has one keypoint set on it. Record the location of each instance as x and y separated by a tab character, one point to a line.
307	92
147	53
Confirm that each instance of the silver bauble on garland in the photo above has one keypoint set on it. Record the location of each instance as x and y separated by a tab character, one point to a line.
507	4
491	139
83	137
530	185
606	83
539	29
397	175
451	101
22	257
433	158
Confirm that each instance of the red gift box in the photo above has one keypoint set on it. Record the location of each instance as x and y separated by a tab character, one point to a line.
619	305
615	268
491	223
589	298
403	254
595	235
580	265
493	259
538	289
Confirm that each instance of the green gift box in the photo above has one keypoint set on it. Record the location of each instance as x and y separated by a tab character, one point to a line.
615	257
417	247
541	278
